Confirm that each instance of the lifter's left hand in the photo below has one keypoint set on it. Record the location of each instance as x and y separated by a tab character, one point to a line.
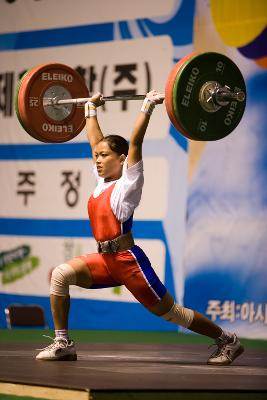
155	97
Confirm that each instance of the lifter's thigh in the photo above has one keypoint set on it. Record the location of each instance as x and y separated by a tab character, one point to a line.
94	270
143	282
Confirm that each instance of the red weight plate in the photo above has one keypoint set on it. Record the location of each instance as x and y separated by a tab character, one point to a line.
168	93
20	100
17	107
41	124
30	102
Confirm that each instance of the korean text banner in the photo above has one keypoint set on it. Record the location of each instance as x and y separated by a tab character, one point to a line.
44	220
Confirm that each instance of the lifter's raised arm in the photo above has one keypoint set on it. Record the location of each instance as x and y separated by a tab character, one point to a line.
93	130
140	126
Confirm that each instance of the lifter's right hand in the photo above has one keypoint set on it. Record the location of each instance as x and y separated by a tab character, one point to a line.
97	99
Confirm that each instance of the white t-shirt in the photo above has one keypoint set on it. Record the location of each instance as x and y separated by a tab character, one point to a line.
127	191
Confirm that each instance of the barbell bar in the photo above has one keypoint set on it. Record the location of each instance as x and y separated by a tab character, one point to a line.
205	97
221	95
83	100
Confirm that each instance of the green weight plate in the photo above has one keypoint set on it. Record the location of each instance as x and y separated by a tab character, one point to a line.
197	122
189	134
169	90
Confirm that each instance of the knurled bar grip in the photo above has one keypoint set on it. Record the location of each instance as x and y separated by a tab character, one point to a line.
107	98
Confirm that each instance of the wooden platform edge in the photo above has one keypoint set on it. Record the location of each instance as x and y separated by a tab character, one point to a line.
43	392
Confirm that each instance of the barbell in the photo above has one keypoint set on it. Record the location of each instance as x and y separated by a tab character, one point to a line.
205	98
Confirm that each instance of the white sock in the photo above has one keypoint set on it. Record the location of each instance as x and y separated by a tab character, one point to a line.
62	334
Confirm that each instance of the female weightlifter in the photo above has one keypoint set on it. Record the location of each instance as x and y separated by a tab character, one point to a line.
119	173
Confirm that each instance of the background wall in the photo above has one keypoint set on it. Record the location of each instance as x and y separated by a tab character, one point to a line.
225	251
202	219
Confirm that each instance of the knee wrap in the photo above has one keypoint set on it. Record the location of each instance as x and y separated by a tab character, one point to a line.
62	276
179	315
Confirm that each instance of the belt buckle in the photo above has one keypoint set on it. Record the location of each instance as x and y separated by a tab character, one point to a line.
109	246
99	247
113	245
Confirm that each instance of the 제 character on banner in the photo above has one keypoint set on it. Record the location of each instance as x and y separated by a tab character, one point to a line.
6	93
90	75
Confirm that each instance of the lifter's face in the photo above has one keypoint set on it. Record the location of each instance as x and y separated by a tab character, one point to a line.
109	164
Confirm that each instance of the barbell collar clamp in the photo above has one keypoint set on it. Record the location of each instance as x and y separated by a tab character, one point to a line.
223	95
213	96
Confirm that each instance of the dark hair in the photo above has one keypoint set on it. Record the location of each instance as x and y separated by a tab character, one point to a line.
117	144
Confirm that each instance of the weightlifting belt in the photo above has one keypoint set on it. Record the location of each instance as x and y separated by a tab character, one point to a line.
120	243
